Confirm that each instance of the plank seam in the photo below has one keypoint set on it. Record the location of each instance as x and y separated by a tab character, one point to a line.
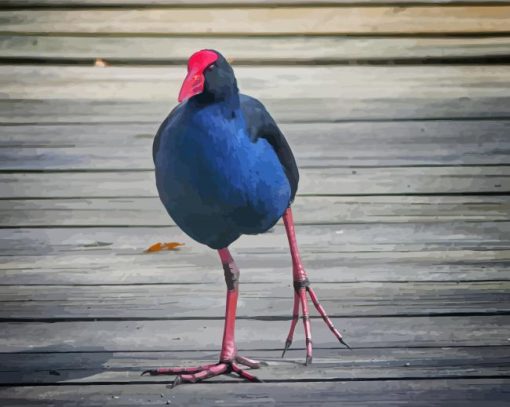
230	383
265	318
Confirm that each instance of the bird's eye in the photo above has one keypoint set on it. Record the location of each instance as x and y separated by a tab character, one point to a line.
211	67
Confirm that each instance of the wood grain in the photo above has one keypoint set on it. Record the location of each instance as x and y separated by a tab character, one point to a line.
329	364
206	334
314	181
227	3
343	253
310	210
263	21
110	146
465	392
341	83
273	50
257	301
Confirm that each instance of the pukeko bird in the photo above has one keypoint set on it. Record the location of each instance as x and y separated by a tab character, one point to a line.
223	169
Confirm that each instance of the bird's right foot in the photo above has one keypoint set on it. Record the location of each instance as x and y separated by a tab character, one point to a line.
199	373
301	288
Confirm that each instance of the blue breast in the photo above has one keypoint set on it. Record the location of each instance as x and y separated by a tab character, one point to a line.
216	183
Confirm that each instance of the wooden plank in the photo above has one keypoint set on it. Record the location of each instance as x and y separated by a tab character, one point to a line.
316	210
92	268
249	49
319	239
342	253
360	364
205	335
368	93
345	83
228	3
257	301
110	146
284	110
313	181
263	21
458	392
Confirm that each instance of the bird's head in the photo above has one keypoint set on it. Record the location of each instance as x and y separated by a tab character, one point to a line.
210	77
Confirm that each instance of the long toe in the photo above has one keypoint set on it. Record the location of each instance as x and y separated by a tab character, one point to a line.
176	370
325	316
199	373
254	364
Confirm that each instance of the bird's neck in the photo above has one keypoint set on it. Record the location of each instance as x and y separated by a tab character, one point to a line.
228	103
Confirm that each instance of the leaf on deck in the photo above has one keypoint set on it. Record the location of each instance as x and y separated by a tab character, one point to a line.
156	247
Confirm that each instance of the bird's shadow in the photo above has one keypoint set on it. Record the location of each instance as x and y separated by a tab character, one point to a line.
52	364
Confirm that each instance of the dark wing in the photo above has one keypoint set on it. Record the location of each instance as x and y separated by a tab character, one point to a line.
260	124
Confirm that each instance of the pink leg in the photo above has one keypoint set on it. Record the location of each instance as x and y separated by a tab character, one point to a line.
301	287
229	359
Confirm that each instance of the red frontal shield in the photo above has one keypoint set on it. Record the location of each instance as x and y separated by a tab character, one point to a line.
194	82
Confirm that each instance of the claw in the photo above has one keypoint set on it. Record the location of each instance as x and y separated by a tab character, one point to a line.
150	372
344	343
287	346
175	383
308	360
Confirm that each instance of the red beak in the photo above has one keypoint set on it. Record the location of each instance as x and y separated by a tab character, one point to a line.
192	85
194	82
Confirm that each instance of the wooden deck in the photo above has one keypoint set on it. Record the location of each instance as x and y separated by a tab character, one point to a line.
399	115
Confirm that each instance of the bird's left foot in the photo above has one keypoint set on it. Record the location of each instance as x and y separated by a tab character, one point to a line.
199	373
301	301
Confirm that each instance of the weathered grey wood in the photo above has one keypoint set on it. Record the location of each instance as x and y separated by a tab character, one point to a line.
342	83
342	253
257	301
317	238
111	146
206	334
89	269
330	364
317	210
224	3
322	181
284	110
260	21
273	50
367	93
463	266
463	392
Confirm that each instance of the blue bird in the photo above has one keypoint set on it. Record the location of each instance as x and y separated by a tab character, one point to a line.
224	169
